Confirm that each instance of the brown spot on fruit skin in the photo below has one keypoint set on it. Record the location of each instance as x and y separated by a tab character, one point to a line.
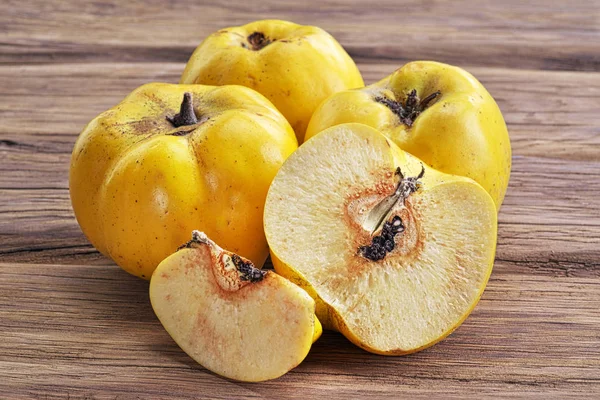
144	126
155	99
252	80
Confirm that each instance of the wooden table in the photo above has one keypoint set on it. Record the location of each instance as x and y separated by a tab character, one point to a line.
73	325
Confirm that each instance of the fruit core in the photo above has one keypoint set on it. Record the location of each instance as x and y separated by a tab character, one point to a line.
232	271
257	41
383	243
381	223
247	270
410	110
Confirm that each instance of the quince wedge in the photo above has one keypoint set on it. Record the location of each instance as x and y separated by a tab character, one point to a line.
395	253
235	320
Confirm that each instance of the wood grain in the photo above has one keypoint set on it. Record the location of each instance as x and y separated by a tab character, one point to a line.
546	218
537	34
81	330
72	325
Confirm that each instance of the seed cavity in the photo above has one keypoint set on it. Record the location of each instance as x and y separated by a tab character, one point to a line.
383	243
247	270
379	217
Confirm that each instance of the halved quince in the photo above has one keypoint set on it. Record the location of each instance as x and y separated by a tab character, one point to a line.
395	253
235	320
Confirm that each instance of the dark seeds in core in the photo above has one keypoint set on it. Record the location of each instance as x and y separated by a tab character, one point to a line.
247	270
384	242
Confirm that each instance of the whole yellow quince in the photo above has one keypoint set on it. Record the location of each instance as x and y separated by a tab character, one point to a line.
437	112
294	66
172	158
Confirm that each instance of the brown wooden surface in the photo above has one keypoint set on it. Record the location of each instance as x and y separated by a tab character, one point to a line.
72	325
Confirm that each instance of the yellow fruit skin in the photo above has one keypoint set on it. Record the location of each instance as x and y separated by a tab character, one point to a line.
301	67
138	187
462	133
318	330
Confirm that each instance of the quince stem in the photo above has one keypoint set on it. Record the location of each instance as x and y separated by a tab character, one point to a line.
186	115
245	268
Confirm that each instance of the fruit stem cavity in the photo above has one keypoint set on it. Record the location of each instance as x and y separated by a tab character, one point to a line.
257	41
410	110
186	115
197	238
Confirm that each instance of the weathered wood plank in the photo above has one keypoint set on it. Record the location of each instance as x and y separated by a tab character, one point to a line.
81	330
43	108
550	221
87	330
535	34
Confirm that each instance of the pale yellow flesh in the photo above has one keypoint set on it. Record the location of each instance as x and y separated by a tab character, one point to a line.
258	332
407	301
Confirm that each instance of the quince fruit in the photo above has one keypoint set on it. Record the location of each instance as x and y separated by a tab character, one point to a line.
294	66
170	158
436	112
395	253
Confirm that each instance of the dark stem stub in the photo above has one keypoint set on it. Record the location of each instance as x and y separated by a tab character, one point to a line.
186	115
257	41
384	242
410	110
409	185
247	270
197	239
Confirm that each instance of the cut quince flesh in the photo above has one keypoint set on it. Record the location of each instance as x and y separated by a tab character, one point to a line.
235	320
395	253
